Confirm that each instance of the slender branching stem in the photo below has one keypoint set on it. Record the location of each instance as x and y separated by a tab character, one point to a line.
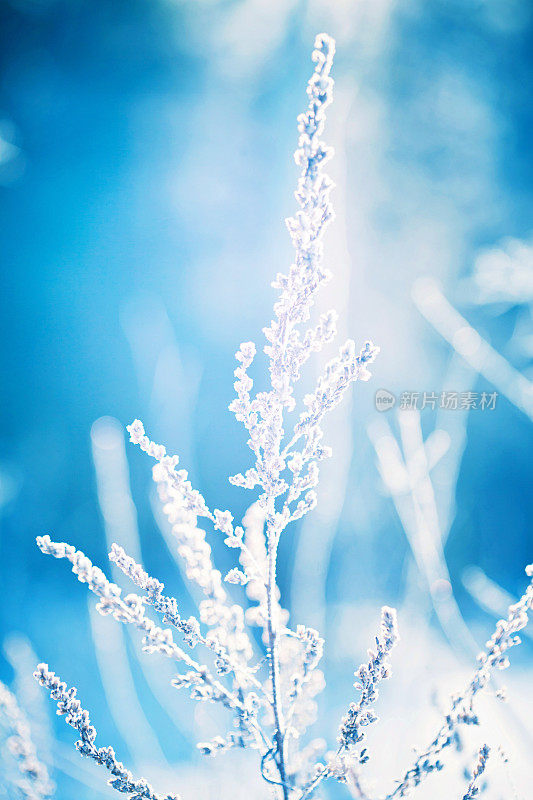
273	661
310	788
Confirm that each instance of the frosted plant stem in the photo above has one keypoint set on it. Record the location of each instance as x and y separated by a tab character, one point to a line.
312	786
274	663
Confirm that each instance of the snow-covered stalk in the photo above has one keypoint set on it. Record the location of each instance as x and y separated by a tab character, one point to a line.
461	710
352	730
78	718
479	769
288	349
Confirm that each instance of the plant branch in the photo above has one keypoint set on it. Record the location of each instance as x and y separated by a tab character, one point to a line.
273	660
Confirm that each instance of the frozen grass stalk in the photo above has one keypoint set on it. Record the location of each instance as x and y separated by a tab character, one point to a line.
269	697
479	769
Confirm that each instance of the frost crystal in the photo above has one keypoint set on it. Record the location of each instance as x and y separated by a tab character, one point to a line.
473	788
368	676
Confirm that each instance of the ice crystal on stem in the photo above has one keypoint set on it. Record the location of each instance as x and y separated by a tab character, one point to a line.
473	788
361	714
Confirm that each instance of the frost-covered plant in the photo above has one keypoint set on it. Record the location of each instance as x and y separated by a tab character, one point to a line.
479	769
269	696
